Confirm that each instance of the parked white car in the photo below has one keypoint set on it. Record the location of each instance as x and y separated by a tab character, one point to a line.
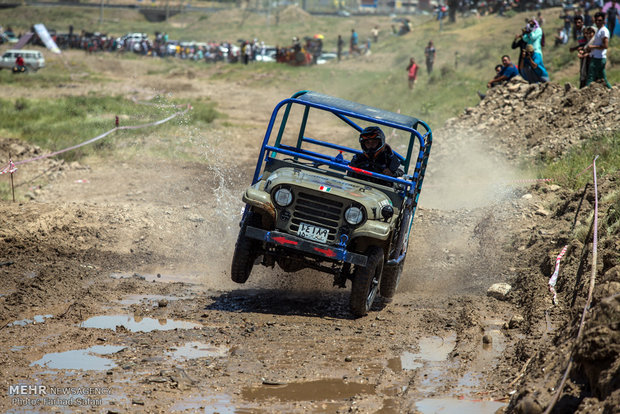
33	59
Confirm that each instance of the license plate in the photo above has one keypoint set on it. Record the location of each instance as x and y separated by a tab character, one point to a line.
308	231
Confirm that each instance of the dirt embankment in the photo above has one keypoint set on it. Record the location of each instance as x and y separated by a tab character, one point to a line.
533	122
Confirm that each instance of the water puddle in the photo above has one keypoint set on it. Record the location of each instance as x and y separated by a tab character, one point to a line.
193	350
36	318
432	349
149	299
327	389
190	278
81	359
136	323
208	404
456	406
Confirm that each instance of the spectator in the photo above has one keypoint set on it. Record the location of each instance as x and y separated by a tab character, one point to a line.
561	38
533	66
568	20
412	70
587	19
353	43
375	34
598	49
579	35
498	69
532	35
507	72
540	19
584	57
339	45
429	54
518	42
612	14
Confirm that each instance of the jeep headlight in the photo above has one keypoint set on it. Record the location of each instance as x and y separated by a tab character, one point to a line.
354	215
283	197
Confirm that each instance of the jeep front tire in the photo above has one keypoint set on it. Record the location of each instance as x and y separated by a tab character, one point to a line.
366	281
246	251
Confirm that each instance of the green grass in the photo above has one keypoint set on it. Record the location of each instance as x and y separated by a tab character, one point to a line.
379	80
74	119
565	170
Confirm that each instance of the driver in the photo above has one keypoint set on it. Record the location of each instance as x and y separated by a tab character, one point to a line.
377	156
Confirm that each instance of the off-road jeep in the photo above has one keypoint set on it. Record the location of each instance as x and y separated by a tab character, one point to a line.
308	208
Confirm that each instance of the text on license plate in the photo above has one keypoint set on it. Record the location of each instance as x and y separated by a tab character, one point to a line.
308	231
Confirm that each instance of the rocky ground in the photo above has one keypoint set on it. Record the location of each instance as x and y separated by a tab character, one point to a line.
117	278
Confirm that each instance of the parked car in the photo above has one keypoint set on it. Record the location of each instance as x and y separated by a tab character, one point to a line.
326	57
308	208
8	37
267	54
33	59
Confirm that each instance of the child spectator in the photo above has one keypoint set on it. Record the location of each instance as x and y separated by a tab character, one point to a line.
412	71
561	38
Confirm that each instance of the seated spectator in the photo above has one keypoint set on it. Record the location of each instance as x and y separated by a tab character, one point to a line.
561	38
498	68
533	67
508	71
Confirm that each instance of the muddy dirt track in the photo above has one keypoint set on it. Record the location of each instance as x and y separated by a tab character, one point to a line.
115	283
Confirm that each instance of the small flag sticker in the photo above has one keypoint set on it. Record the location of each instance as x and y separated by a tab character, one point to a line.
326	189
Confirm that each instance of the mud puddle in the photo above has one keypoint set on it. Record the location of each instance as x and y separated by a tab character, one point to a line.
432	349
208	404
194	350
320	390
153	300
81	359
136	323
189	278
456	406
35	319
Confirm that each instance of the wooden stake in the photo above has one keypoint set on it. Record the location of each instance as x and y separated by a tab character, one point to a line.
11	174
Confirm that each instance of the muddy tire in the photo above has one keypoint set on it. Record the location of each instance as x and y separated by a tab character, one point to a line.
366	281
246	251
390	279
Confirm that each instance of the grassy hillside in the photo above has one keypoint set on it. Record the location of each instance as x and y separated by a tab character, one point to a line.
467	51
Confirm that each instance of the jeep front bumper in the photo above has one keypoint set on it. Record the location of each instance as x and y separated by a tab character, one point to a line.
306	246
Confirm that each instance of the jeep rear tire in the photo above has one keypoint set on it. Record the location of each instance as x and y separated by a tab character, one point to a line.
246	251
390	280
366	281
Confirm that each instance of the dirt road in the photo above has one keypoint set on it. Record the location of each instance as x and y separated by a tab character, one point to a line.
115	283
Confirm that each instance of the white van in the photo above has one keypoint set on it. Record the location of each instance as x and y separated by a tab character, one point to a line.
33	59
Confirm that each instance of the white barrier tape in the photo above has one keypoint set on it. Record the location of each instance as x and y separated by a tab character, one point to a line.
90	141
556	273
532	180
9	169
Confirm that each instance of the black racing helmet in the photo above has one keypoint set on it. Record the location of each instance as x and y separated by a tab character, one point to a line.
372	133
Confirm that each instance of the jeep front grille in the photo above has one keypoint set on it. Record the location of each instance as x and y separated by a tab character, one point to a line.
316	210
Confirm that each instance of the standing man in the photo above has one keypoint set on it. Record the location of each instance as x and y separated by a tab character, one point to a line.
375	34
612	14
429	53
353	43
340	45
598	49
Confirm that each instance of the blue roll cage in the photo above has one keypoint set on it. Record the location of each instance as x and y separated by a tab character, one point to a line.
346	110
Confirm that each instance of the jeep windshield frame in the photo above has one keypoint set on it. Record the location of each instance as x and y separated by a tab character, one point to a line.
349	112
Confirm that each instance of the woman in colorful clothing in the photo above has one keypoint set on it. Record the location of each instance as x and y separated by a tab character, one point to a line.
412	70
